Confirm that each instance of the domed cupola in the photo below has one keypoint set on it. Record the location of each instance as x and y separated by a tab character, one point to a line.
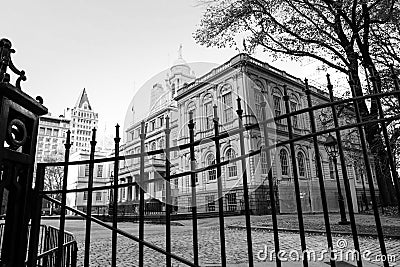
180	66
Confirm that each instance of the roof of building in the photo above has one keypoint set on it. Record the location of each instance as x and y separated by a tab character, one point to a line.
82	99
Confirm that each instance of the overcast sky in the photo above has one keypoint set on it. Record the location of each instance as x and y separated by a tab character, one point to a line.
111	48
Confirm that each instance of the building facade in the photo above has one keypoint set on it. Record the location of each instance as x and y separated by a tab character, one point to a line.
78	177
51	137
253	82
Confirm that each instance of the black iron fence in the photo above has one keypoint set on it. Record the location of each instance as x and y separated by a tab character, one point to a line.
60	251
47	246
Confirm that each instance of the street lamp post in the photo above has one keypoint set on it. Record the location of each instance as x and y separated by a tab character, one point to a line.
331	147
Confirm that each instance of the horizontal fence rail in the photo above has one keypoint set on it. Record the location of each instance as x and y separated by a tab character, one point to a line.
63	255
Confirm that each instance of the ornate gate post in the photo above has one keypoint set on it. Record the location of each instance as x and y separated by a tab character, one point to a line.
19	118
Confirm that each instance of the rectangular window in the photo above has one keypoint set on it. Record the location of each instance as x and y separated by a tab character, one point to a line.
55	132
48	131
100	171
87	170
123	193
98	196
85	194
231	200
264	165
228	111
41	131
208	112
176	183
210	203
232	170
161	120
212	175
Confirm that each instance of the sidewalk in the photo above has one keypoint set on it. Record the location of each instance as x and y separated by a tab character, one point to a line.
314	223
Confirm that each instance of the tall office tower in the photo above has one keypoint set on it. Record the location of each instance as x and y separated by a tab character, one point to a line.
83	120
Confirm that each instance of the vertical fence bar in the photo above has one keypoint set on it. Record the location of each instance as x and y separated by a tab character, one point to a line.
239	111
117	139
89	200
296	177
193	185
168	205
219	188
36	216
320	176
346	182
270	182
141	192
59	254
369	174
387	142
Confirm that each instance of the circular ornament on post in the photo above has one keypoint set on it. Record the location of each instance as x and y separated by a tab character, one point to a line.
16	134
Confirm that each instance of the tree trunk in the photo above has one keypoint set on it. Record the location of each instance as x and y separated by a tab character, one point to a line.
372	134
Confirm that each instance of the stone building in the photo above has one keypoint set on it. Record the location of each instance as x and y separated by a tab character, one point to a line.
51	137
252	81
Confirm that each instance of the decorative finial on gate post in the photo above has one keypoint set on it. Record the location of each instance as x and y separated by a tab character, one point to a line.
117	138
307	90
5	61
191	122
215	119
239	111
5	58
167	129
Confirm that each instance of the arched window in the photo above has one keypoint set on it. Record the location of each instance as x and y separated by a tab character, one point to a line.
153	146
211	173
277	105
293	107
283	156
227	103
258	98
232	167
301	164
208	112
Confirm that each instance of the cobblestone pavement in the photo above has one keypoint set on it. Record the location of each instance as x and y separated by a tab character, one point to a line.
209	246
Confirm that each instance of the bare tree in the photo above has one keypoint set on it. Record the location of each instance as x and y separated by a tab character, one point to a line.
53	178
339	34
